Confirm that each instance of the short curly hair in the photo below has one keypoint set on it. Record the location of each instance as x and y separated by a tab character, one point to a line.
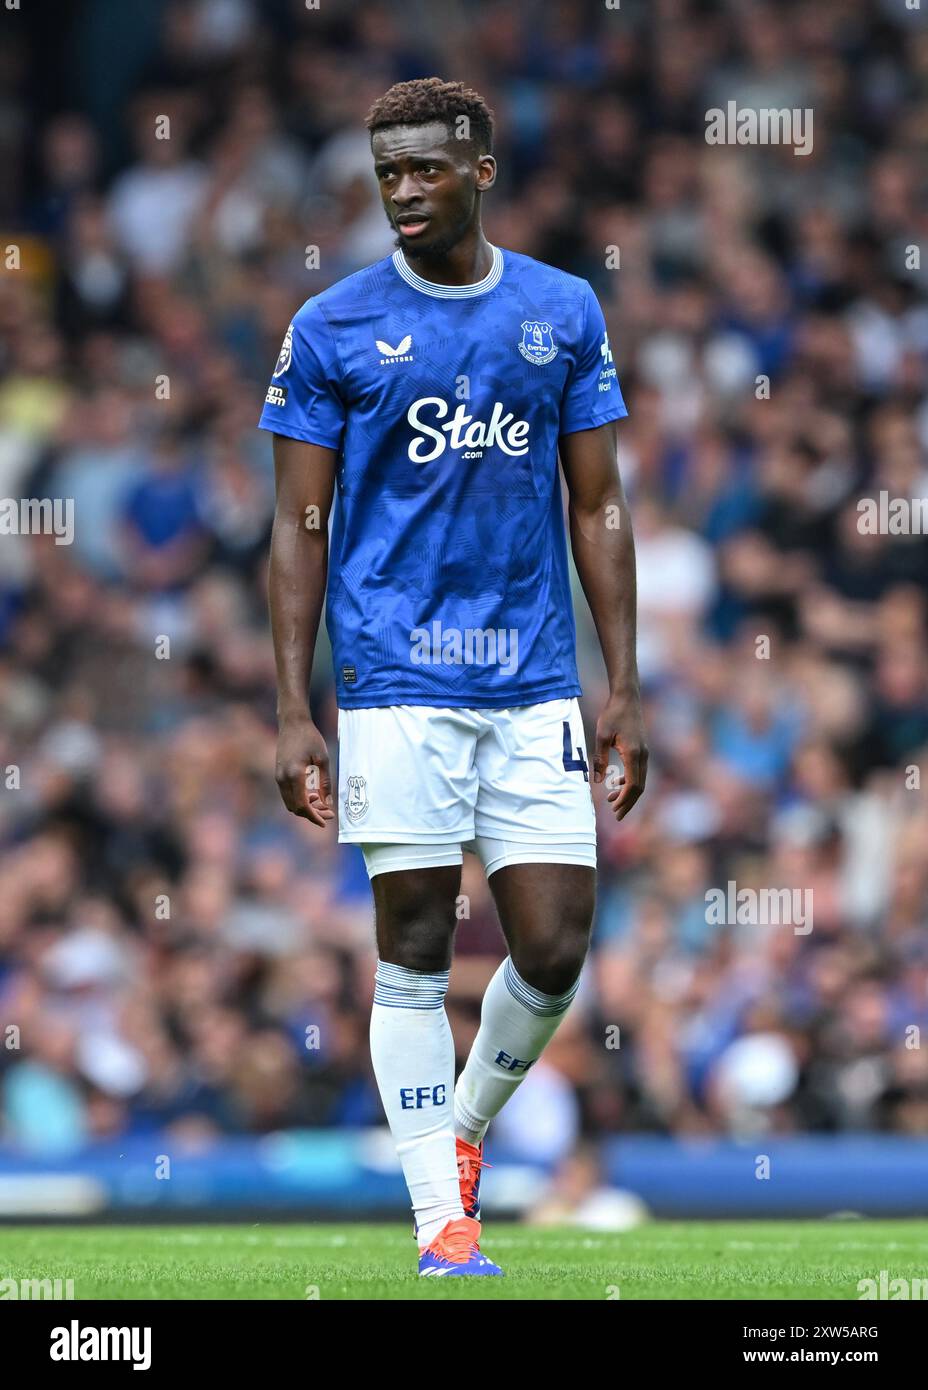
430	99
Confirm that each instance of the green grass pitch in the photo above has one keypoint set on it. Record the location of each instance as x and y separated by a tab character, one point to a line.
662	1260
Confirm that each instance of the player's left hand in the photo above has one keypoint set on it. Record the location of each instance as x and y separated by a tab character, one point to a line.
621	726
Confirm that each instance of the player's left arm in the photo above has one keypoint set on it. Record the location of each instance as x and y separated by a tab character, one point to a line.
604	552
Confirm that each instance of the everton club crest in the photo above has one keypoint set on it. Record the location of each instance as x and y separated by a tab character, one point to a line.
537	343
356	802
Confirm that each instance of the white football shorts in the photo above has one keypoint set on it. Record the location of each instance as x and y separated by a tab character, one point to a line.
417	784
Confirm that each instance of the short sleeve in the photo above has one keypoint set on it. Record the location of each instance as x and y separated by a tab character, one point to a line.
592	395
304	397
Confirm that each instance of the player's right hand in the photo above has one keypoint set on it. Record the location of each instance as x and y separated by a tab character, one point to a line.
303	771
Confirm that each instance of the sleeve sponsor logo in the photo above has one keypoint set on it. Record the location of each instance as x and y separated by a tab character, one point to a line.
285	354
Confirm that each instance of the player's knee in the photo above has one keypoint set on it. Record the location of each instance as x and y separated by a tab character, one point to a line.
418	938
552	962
428	951
555	976
415	918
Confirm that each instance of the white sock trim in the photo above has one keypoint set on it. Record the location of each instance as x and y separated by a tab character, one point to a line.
543	1005
398	988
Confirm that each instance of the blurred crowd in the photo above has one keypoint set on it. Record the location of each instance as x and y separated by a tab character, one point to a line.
176	952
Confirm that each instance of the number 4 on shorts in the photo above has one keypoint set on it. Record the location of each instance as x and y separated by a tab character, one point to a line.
579	764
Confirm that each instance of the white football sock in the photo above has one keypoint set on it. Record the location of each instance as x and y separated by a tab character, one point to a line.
516	1024
413	1055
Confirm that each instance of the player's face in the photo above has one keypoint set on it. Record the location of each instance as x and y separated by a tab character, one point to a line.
429	184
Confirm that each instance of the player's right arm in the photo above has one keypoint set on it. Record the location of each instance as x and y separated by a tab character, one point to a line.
305	481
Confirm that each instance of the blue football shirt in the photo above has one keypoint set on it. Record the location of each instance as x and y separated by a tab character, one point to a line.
448	576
